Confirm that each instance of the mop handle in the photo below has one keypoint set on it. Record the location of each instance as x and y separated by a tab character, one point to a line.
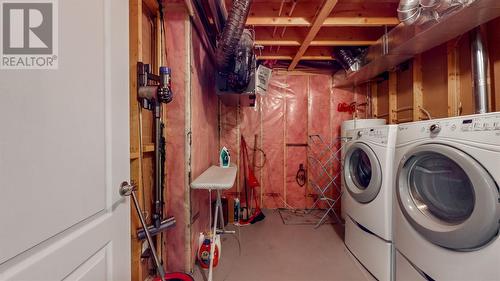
127	190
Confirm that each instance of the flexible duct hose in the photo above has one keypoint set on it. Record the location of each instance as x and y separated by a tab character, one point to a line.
231	34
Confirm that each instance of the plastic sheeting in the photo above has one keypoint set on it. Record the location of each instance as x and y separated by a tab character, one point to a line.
294	107
204	135
195	106
175	123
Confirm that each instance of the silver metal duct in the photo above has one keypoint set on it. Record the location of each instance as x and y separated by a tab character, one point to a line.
421	11
409	11
479	57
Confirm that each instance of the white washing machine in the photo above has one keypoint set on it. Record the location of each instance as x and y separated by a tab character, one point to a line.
346	131
368	175
447	201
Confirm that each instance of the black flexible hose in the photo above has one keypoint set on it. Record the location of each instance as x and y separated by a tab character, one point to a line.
231	34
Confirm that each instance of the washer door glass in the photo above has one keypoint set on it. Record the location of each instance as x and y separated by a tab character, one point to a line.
361	169
362	172
440	188
448	197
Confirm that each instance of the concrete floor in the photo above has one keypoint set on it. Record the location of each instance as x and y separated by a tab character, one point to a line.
273	251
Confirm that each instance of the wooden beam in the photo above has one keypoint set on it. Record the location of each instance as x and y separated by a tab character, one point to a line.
323	13
325	43
453	79
393	97
135	55
418	89
327	22
151	5
327	36
374	92
288	53
289	57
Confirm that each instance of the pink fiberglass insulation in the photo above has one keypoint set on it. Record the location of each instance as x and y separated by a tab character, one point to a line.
296	134
296	195
229	137
273	130
249	118
175	123
320	92
204	134
294	108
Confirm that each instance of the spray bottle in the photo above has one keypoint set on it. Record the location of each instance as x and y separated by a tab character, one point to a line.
236	211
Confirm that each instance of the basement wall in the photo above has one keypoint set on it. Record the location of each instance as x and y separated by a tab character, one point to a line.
176	196
192	138
295	107
204	136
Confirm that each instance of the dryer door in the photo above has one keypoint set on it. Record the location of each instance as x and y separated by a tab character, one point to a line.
448	197
362	172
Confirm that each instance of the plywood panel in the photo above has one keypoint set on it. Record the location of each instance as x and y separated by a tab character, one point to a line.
453	78
435	81
405	94
393	97
383	100
466	103
494	53
418	90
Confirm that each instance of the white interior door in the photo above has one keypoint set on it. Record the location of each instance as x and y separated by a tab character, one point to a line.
64	150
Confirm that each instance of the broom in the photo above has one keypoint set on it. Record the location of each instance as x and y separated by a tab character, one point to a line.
251	182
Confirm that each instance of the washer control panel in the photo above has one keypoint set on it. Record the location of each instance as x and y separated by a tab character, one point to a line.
480	124
483	128
378	135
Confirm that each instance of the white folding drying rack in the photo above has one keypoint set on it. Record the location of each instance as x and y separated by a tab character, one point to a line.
325	168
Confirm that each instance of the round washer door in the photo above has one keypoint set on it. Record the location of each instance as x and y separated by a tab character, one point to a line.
362	172
448	197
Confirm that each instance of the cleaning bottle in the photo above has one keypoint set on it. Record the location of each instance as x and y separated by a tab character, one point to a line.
204	252
236	211
224	158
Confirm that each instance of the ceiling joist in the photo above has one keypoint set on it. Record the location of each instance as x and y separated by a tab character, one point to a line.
328	22
323	13
290	57
324	43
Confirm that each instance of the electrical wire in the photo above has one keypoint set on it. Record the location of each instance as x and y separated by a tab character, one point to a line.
263	156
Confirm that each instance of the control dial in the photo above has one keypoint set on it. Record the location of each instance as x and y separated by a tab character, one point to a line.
435	128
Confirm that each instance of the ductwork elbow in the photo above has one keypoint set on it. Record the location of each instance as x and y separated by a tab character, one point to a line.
409	11
231	34
420	11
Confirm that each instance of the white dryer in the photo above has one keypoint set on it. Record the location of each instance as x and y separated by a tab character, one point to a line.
368	175
447	201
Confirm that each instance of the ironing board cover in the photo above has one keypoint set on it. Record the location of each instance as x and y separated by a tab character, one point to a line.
216	177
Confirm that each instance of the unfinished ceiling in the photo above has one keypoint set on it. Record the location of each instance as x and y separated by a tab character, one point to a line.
293	31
